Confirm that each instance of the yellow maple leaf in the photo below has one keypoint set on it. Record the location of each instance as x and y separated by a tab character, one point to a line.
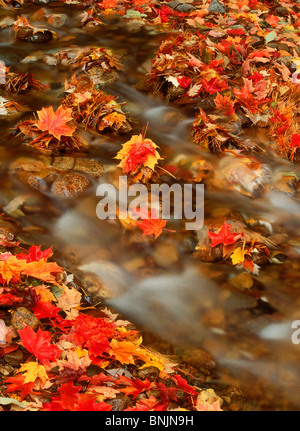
238	256
32	371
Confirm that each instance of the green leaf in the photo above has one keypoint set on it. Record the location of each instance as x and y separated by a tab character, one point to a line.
270	36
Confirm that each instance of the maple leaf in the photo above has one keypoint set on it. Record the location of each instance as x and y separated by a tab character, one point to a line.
44	310
11	268
123	351
134	387
136	152
16	383
42	270
112	119
55	123
151	225
214	85
183	384
39	344
90	405
44	293
224	236
146	404
32	371
208	401
295	141
184	82
69	301
238	256
35	254
224	103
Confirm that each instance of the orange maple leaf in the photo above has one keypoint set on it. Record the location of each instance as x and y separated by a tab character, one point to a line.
11	268
124	351
42	270
55	123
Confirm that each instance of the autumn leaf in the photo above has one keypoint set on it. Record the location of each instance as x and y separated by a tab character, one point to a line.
11	268
295	141
214	85
123	351
134	387
55	123
42	270
151	224
224	103
184	82
136	152
238	256
17	383
35	254
39	344
32	371
224	236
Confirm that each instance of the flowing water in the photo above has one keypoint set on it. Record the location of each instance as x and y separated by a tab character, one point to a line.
164	291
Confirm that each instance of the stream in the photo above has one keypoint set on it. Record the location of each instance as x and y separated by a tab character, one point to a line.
159	285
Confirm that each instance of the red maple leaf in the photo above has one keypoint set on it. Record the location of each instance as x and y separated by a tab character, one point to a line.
183	384
138	154
35	254
16	383
48	310
295	142
224	236
150	225
55	123
184	82
134	387
39	344
213	85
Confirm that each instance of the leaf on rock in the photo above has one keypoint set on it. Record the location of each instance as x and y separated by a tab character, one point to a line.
136	152
55	123
224	236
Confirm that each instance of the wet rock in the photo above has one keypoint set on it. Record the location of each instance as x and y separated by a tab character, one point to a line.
29	34
14	358
165	254
6	370
184	7
216	7
70	185
242	281
215	318
282	11
87	166
119	403
150	373
199	359
22	317
234	398
236	300
94	288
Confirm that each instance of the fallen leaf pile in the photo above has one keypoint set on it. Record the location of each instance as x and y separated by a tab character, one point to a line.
74	359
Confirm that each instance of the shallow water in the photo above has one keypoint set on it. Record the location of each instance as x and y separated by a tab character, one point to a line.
168	298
